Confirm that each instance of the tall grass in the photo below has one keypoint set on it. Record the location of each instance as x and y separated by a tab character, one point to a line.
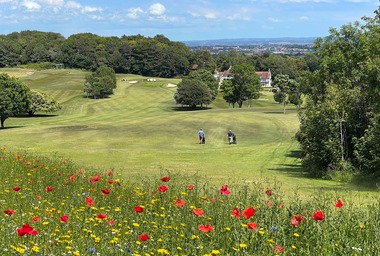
74	211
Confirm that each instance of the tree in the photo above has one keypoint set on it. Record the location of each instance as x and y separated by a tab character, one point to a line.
208	78
339	124
41	102
14	97
245	85
285	90
100	83
192	92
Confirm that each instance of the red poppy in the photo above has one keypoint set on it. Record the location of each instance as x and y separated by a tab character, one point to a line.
269	203
16	188
224	190
64	218
294	222
105	191
190	187
111	222
139	209
110	173
235	213
101	216
72	177
89	201
248	212
143	237
80	171
252	225
165	179
268	192
49	188
339	203
26	229
110	181
162	189
180	202
318	215
298	218
206	228
35	219
199	212
9	211
96	178
278	249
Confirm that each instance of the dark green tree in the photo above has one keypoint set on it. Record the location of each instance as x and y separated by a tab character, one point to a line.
14	97
245	85
41	102
192	92
343	101
100	83
208	78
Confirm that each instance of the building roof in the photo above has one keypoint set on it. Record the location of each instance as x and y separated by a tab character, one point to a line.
264	74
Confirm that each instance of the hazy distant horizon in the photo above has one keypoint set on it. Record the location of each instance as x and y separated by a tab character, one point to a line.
250	41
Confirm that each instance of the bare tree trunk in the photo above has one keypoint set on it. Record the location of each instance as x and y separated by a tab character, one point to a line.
341	136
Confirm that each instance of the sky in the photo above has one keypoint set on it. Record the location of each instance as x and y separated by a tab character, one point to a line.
184	20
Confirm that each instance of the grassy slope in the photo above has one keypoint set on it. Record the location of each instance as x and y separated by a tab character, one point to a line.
139	130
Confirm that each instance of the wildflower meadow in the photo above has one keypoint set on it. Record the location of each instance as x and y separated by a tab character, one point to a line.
50	206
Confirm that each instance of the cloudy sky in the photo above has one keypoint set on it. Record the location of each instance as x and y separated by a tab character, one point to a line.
184	20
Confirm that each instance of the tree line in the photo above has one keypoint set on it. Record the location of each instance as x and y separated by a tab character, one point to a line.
340	123
148	56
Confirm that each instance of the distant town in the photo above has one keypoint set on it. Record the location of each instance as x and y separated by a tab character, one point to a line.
250	46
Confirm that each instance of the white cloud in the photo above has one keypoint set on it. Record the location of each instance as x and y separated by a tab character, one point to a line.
87	9
5	1
273	19
134	13
157	9
31	5
304	18
208	14
73	5
53	2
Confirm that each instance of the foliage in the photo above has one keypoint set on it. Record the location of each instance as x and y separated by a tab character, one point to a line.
344	97
100	83
368	150
245	85
192	92
206	77
13	97
52	207
41	102
285	90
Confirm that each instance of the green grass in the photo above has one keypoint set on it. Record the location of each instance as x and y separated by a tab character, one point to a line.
140	130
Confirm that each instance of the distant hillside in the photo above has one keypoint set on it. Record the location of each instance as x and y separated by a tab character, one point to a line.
251	41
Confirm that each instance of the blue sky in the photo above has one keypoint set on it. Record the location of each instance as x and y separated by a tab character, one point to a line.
184	20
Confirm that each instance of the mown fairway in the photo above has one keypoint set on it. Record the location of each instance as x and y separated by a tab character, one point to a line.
140	131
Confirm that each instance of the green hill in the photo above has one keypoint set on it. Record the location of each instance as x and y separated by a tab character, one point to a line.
140	130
